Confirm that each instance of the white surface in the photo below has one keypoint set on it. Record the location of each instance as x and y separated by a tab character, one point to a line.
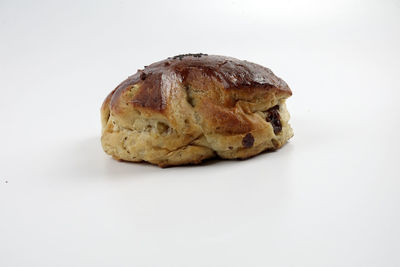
328	198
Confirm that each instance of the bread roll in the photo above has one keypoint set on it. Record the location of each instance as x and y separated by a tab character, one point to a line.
191	107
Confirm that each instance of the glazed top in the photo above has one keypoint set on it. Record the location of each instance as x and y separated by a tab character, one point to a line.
231	73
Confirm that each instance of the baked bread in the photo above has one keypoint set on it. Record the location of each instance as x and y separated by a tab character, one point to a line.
191	107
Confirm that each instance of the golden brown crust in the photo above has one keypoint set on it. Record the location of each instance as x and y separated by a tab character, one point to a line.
202	104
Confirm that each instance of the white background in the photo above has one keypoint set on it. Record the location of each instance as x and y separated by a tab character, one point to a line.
331	197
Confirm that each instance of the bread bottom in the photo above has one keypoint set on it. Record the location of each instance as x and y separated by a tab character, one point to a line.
152	141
